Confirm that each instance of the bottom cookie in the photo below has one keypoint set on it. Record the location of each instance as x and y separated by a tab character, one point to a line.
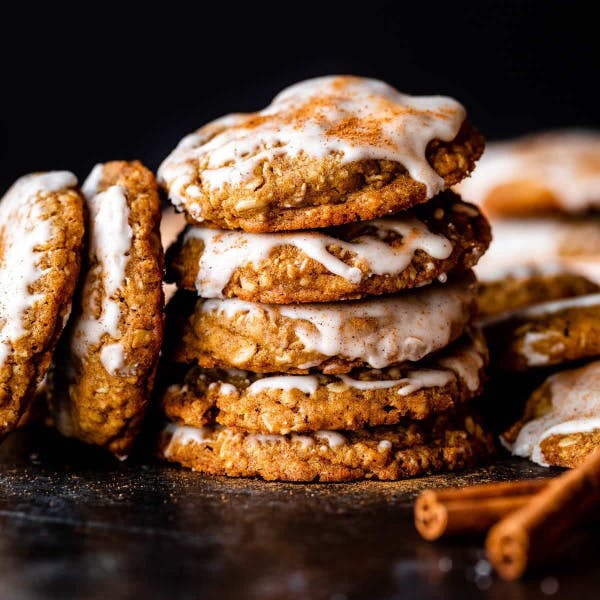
386	453
561	424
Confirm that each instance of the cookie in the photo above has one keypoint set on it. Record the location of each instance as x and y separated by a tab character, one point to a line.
298	403
545	334
354	260
41	234
387	453
326	151
106	367
551	242
331	337
561	423
553	171
525	287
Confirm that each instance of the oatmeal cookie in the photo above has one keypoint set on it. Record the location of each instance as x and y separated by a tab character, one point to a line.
41	236
445	443
106	366
351	261
325	152
331	337
561	423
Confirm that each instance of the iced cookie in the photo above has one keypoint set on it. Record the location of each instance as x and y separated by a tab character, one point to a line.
41	234
354	260
388	453
546	243
552	171
106	369
525	287
561	424
325	152
331	337
545	334
298	403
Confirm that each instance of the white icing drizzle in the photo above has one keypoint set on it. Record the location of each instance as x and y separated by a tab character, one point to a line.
565	162
181	435
575	408
23	235
384	446
305	441
225	388
110	242
408	326
226	251
414	381
531	338
467	363
112	358
352	117
333	438
305	383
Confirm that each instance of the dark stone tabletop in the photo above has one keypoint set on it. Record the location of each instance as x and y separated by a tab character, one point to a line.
75	523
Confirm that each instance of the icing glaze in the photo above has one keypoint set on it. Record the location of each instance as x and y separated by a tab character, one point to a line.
408	326
467	363
112	358
351	117
23	235
110	238
567	163
384	446
575	408
305	383
333	438
226	251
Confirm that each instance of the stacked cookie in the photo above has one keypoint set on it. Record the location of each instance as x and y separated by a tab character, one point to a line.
322	327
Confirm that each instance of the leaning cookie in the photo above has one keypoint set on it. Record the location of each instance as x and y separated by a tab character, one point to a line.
298	403
545	334
525	287
106	367
331	337
354	260
388	453
325	152
41	234
561	424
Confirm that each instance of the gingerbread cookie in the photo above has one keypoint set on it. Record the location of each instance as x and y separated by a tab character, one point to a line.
331	337
106	369
545	334
325	152
553	171
298	403
561	424
350	261
525	287
386	453
41	234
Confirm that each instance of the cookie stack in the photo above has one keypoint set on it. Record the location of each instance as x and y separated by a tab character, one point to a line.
321	330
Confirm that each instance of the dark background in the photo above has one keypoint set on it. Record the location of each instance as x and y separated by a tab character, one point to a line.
118	81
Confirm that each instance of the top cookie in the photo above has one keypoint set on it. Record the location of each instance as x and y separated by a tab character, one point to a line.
41	233
325	152
548	172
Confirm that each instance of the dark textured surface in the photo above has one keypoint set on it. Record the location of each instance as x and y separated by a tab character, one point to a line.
76	524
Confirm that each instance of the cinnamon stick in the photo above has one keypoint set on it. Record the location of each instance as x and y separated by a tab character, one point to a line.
527	535
471	510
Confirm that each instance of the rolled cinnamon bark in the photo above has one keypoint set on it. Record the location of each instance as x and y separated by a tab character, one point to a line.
471	510
527	535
